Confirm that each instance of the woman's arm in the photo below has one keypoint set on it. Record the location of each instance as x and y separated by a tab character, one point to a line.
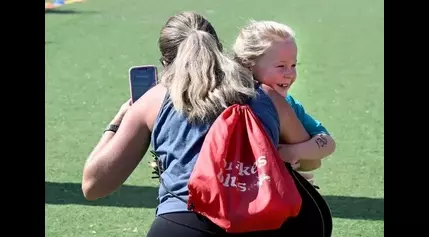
109	134
118	154
114	162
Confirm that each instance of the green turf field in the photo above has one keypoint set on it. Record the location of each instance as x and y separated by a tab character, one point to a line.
91	45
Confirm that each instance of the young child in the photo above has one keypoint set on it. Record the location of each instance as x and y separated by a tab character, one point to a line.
269	49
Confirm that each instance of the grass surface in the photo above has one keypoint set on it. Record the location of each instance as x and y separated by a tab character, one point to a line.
91	45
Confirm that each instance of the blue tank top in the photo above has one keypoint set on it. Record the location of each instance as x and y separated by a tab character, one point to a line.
177	143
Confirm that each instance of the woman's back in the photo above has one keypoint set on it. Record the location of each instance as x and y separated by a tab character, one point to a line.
177	142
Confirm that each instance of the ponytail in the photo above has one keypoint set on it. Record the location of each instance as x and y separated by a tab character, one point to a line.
202	82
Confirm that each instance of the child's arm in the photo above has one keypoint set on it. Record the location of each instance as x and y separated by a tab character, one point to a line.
310	153
292	130
319	146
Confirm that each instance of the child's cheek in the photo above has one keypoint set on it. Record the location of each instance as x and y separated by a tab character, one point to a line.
272	78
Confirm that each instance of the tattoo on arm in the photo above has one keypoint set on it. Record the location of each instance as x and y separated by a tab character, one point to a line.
321	141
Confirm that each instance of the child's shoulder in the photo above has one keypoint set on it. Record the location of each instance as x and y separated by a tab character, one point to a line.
292	101
295	104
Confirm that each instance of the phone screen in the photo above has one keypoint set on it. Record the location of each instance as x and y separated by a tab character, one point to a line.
141	80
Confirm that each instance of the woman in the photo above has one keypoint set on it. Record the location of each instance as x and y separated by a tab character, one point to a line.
197	83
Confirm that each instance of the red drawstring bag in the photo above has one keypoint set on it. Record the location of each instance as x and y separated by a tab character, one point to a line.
239	181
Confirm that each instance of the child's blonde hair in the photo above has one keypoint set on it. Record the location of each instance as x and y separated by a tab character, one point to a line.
255	38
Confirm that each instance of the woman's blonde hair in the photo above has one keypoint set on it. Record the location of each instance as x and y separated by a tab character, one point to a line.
201	80
255	39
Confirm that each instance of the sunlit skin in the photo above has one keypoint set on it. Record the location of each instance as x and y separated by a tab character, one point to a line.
276	68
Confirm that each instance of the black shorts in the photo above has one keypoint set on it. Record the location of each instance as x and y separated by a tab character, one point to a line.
190	224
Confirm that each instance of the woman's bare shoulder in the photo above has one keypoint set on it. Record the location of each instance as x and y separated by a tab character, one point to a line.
148	106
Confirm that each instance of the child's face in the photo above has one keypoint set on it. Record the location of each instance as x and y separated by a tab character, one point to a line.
276	68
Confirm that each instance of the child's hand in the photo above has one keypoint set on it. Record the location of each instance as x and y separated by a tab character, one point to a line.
288	153
308	176
296	165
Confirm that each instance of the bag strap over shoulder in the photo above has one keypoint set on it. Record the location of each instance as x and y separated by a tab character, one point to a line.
158	169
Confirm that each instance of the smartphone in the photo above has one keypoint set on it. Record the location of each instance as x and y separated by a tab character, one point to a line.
142	78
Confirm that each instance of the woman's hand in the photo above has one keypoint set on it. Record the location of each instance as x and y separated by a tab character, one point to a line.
121	113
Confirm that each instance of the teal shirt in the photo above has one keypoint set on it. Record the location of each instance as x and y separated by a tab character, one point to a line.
310	124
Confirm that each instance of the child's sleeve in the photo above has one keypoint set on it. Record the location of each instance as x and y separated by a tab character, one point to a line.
311	125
